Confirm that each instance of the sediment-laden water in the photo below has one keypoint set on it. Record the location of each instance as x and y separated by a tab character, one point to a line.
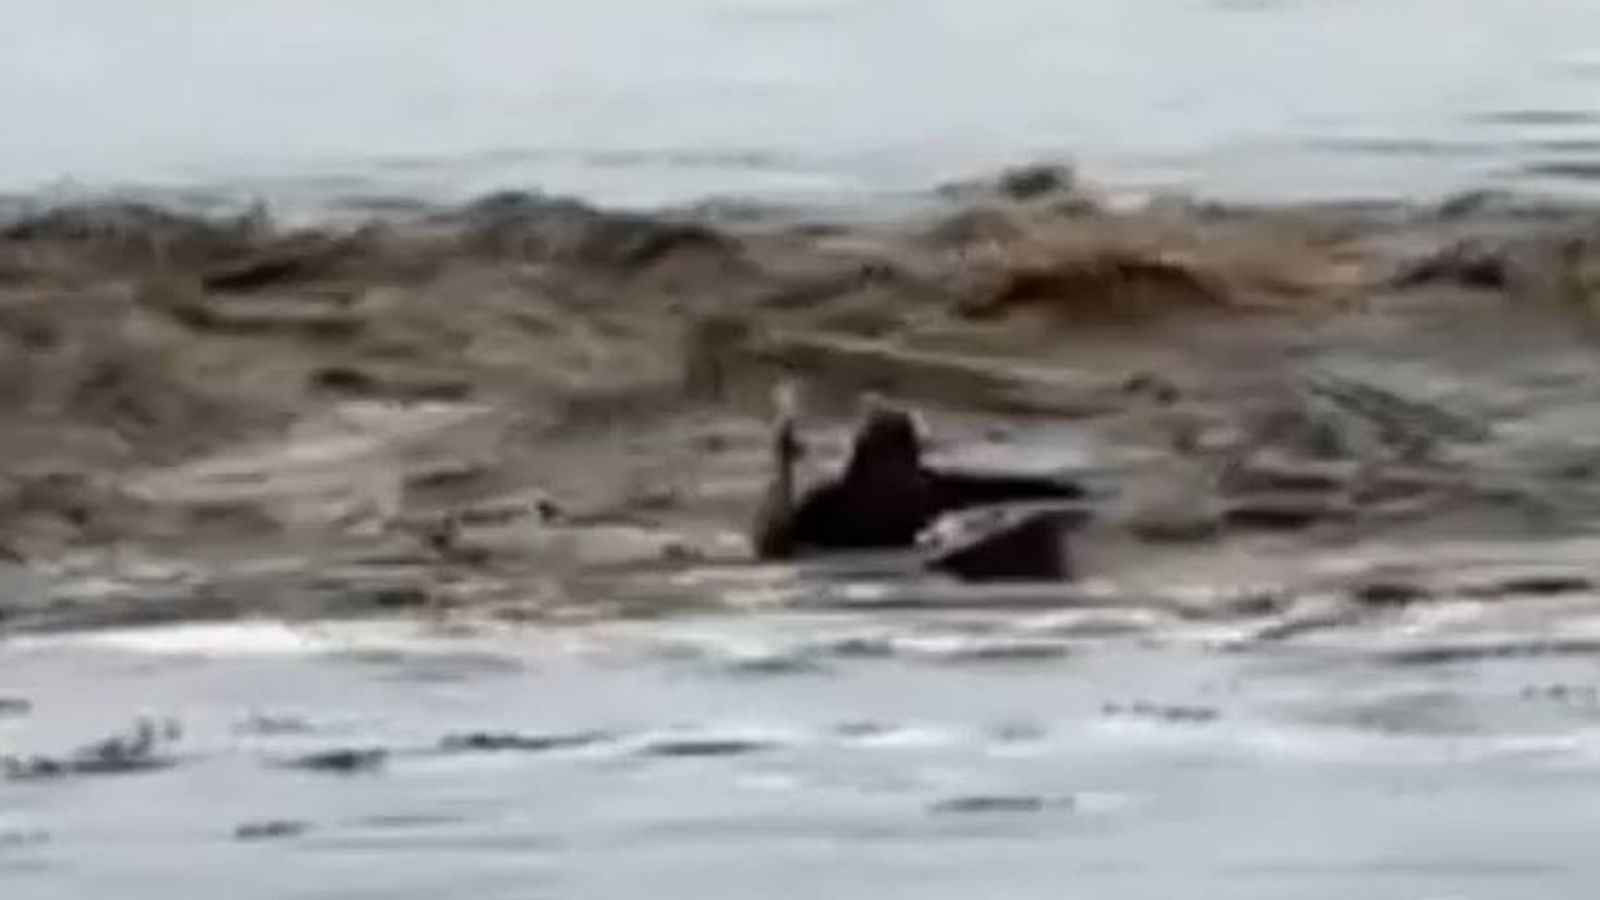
1404	740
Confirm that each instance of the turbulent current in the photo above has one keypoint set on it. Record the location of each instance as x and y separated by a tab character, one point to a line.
1434	740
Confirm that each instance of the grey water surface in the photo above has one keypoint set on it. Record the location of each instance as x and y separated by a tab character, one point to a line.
795	756
375	104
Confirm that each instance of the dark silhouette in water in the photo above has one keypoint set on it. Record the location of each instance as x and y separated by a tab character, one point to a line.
885	497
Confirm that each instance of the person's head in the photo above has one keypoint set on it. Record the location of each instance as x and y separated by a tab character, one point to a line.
887	441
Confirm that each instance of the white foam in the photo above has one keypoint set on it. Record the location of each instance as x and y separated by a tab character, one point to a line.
258	638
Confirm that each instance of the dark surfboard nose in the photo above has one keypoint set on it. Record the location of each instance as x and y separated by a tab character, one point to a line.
1012	542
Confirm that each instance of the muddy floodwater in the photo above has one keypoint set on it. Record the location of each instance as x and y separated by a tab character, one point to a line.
392	539
806	756
410	561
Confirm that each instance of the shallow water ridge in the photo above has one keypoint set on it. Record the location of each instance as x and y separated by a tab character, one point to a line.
732	757
364	102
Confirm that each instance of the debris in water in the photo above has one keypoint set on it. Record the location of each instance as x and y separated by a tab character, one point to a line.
1535	585
137	751
343	762
1466	652
497	742
991	804
270	830
686	747
776	664
1388	593
1006	650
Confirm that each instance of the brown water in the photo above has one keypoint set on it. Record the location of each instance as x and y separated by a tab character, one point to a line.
362	102
1444	754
